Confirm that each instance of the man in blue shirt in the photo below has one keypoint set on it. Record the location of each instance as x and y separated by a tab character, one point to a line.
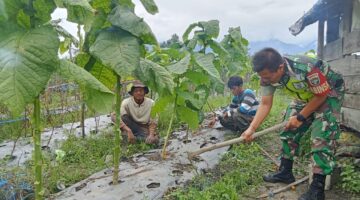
239	114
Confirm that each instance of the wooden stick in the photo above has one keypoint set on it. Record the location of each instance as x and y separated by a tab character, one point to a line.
284	188
236	140
268	155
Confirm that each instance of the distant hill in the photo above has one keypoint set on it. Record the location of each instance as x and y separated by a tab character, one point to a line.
282	47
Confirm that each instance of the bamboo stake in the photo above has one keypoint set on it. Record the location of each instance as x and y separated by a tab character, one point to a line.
236	140
284	188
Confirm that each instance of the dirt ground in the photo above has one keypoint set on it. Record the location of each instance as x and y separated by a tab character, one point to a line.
271	144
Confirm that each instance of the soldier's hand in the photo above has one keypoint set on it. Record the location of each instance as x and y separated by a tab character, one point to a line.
247	135
293	123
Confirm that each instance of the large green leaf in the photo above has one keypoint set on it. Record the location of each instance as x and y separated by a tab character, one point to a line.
102	101
211	28
191	100
181	66
188	30
117	49
156	77
150	6
105	5
9	9
188	116
161	104
197	77
3	14
126	19
205	61
78	11
105	75
23	19
217	48
27	60
44	8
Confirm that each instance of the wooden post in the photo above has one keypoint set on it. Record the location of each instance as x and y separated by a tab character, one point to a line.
320	44
347	16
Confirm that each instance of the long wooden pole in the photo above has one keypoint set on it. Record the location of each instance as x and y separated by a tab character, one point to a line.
236	140
284	188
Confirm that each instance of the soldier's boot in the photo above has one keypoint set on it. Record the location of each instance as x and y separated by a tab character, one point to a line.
316	189
284	175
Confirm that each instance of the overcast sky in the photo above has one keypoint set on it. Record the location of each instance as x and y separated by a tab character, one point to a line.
258	19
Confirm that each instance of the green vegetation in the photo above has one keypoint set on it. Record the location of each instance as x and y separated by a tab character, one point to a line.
239	172
350	178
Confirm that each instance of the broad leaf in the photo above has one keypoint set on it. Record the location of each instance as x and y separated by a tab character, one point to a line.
191	100
64	45
217	48
156	77
3	14
78	11
126	19
181	66
188	116
185	36
117	49
104	74
150	6
197	77
98	97
23	19
161	104
9	9
127	3
105	5
206	62
211	28
191	44
44	8
27	60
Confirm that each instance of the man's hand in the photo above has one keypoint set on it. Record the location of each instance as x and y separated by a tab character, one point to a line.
247	135
225	115
293	123
130	136
212	123
151	139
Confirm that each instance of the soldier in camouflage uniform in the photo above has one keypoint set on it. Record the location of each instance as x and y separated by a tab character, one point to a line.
318	94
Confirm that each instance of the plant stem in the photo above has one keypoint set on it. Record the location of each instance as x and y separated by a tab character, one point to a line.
82	122
37	151
163	154
117	131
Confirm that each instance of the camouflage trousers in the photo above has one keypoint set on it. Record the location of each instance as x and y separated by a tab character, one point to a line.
323	125
237	122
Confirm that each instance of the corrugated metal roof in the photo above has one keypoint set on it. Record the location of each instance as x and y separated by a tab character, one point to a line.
322	9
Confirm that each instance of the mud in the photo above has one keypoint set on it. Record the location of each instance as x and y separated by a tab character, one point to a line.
150	177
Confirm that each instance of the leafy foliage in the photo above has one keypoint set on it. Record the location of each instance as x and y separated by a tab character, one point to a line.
126	19
118	50
27	60
350	178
